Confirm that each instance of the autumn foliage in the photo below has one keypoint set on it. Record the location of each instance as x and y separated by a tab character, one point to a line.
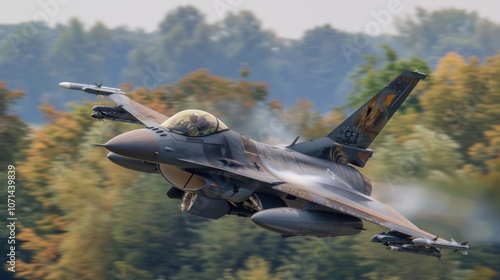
85	218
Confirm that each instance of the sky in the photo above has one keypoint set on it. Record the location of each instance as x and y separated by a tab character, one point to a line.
288	19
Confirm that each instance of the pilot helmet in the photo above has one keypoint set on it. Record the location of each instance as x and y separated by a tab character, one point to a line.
194	117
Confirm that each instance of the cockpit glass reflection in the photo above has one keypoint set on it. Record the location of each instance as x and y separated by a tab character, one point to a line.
194	123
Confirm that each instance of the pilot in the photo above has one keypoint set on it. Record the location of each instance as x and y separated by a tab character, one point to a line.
194	118
203	124
192	126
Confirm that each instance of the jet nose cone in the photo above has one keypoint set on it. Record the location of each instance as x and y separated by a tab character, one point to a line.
138	144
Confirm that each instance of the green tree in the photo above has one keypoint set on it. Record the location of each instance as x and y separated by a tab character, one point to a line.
255	269
240	39
70	52
83	195
462	102
482	273
305	121
377	72
321	65
13	131
13	136
321	258
185	42
23	64
423	155
148	232
187	16
226	243
58	158
460	31
83	208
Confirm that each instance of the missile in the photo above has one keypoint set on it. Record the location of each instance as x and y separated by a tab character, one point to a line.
92	89
462	247
292	222
421	242
397	242
414	250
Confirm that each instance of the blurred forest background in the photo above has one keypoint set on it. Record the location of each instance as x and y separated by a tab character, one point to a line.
82	217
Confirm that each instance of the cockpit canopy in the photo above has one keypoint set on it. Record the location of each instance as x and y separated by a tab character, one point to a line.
194	123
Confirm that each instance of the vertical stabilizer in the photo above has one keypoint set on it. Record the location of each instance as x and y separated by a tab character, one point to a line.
348	143
361	128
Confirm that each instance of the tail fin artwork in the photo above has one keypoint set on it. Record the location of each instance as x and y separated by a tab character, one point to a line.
361	128
349	142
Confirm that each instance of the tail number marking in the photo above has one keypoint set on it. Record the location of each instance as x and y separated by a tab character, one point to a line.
349	137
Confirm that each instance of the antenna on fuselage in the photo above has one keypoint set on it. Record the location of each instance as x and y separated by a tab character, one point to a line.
294	141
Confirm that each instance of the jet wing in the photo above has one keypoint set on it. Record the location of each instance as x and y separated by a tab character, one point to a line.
238	171
367	208
140	113
355	204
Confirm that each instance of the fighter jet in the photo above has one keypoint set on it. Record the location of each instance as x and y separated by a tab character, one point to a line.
303	189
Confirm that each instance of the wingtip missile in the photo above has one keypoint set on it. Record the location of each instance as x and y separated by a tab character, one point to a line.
74	86
423	242
92	89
